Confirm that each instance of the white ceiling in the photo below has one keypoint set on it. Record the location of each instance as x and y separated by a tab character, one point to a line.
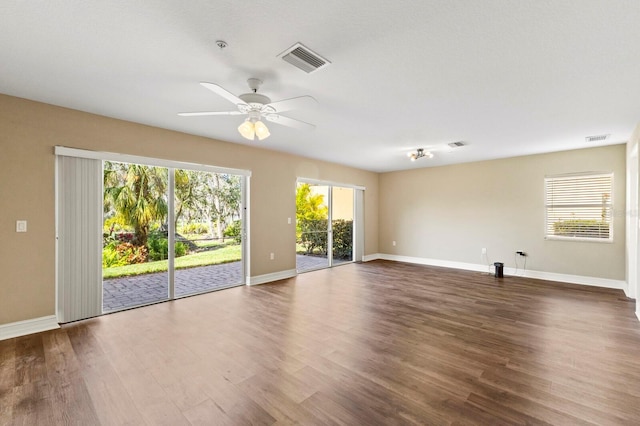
508	77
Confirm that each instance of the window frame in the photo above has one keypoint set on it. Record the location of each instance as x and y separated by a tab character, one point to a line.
578	176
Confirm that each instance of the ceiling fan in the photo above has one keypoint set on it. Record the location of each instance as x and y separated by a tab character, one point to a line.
258	106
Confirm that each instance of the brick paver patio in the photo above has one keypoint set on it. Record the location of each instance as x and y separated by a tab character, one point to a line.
127	292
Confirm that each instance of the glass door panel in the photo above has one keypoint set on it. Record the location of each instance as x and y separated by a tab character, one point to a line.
207	247
134	251
342	224
312	227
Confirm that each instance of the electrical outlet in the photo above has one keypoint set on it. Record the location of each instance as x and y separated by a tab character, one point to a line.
484	250
394	243
272	256
21	226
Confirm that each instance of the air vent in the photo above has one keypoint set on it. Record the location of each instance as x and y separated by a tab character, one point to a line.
597	138
303	58
457	144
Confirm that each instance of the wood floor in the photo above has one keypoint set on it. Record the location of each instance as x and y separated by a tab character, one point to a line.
361	344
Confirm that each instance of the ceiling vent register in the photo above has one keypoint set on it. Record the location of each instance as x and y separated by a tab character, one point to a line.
456	144
304	58
598	138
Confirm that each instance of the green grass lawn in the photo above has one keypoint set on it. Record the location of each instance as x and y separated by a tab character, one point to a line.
224	254
208	243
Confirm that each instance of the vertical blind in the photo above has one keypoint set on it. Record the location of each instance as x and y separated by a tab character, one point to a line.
79	238
359	226
579	207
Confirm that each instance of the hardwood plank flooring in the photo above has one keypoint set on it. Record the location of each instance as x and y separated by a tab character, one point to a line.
360	344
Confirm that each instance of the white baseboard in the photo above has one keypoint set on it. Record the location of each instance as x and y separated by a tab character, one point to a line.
549	276
434	262
275	276
576	279
370	257
30	326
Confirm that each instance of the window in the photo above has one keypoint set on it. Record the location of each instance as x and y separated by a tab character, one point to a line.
579	207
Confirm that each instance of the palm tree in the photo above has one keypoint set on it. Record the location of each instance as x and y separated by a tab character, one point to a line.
138	194
312	216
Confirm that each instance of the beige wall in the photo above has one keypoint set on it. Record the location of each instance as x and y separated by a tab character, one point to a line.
446	213
452	212
30	130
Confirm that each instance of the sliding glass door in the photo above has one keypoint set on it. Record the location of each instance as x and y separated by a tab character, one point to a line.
312	227
201	228
208	231
134	248
324	225
342	213
132	230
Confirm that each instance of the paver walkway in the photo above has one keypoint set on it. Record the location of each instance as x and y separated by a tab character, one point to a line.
127	292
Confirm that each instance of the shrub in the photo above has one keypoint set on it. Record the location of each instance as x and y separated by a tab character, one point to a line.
180	249
121	254
313	236
581	228
132	254
125	237
194	228
234	231
111	257
342	239
159	247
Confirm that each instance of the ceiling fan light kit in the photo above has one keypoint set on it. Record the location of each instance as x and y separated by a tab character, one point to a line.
252	127
420	153
262	132
257	106
247	130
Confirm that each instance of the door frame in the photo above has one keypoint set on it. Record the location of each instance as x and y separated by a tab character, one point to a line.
358	216
171	165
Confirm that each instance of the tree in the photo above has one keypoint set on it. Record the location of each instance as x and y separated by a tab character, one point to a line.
138	194
226	200
187	192
311	219
213	198
309	206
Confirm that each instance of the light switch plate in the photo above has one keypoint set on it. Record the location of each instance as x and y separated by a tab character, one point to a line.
21	226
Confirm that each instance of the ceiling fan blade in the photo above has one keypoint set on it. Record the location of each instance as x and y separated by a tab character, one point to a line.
290	122
293	103
223	92
195	114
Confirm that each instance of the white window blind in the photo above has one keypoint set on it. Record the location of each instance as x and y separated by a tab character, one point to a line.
579	207
79	234
358	254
